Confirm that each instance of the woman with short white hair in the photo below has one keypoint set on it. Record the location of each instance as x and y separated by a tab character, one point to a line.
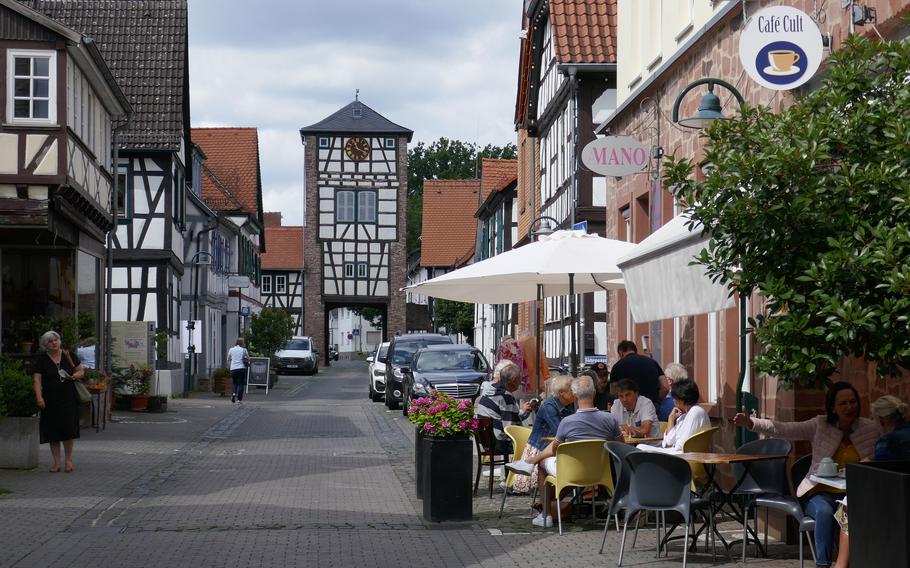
55	373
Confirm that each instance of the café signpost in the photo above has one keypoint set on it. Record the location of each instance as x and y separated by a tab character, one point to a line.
781	48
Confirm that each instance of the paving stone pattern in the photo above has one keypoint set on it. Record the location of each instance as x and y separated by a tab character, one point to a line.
312	474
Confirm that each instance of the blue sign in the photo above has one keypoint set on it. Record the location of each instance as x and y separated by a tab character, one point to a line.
356	332
580	226
591	359
245	311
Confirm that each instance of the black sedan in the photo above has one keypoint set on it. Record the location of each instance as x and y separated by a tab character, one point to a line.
457	370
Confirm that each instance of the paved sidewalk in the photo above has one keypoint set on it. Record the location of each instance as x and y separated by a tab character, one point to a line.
314	474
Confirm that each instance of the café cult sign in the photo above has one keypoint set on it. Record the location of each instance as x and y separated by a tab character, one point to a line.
781	48
615	156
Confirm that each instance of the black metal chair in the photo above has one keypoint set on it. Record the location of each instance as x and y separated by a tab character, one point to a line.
792	507
661	482
621	473
761	479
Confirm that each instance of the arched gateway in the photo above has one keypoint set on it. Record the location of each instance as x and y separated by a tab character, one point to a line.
354	238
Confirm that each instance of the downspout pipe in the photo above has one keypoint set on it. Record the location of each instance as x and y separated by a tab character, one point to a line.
195	268
109	340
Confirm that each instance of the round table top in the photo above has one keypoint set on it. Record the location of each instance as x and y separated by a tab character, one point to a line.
719	458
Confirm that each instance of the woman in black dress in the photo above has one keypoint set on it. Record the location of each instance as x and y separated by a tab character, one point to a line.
57	397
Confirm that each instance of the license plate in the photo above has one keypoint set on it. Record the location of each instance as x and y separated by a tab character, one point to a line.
291	366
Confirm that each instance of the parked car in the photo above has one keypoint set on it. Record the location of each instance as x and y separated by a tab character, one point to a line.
298	356
457	370
401	350
377	371
333	354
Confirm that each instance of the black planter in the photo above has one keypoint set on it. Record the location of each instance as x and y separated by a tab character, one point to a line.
879	512
418	462
157	404
447	468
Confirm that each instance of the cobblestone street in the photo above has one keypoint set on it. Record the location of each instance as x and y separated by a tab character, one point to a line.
313	474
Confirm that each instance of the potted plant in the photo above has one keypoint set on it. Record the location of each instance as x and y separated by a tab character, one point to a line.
445	454
140	382
19	435
120	383
221	381
161	350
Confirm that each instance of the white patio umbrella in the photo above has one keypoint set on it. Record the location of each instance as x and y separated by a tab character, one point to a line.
563	263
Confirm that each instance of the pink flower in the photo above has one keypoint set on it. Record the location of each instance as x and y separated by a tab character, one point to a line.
474	423
463	424
429	427
464	405
444	423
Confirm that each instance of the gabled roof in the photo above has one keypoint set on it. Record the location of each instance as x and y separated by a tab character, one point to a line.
356	118
285	249
496	175
230	174
584	31
144	43
449	227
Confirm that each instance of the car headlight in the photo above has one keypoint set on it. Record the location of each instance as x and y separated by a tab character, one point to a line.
398	374
379	372
421	388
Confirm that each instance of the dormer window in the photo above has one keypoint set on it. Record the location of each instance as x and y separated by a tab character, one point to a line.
323	141
390	143
31	86
358	112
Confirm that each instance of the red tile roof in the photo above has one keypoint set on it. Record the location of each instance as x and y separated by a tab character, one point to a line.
449	227
230	174
496	175
584	31
285	250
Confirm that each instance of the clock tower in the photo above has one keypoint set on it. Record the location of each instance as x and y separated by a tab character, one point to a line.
354	233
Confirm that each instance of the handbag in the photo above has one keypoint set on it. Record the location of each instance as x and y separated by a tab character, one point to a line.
81	391
246	358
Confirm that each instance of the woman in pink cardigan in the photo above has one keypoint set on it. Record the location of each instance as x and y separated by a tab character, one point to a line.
842	435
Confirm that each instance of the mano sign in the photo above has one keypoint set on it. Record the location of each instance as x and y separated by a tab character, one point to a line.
615	156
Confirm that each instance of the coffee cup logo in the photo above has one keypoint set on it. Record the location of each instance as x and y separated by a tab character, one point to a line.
783	59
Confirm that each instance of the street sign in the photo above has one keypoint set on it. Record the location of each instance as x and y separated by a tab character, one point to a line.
781	48
592	359
615	156
356	332
245	311
238	281
580	226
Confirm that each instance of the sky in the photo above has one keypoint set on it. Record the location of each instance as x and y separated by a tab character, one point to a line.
443	68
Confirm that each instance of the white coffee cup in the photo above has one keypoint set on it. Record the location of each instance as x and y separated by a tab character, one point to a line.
827	467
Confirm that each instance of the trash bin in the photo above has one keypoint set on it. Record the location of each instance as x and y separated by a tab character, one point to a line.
879	513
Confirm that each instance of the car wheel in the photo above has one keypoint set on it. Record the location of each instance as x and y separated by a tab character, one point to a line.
376	396
370	384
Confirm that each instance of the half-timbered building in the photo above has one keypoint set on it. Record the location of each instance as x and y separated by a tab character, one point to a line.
56	179
145	44
356	180
497	220
567	84
282	269
232	186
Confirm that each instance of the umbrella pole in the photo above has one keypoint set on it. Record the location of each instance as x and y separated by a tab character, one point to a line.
537	333
574	316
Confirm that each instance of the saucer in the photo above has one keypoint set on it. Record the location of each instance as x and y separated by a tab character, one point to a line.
770	70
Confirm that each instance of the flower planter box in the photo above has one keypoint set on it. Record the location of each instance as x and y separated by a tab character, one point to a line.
447	468
19	443
139	402
879	512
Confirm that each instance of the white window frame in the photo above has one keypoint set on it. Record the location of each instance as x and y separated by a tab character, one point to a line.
323	141
281	284
390	143
361	217
267	283
348	269
363	270
11	55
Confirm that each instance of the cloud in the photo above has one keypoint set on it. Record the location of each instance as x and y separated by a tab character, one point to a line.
439	68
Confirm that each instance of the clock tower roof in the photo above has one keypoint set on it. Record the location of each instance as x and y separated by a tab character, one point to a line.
356	118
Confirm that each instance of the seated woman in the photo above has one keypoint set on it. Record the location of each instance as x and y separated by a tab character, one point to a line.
840	434
559	404
894	444
686	419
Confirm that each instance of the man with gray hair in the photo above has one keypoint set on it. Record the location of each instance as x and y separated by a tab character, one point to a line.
674	372
501	406
588	423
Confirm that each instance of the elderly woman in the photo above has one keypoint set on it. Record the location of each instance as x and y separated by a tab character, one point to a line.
687	417
674	372
55	373
559	404
840	434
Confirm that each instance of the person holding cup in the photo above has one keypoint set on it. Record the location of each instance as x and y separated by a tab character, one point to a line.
841	435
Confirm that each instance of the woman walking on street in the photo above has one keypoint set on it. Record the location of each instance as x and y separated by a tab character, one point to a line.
238	359
55	373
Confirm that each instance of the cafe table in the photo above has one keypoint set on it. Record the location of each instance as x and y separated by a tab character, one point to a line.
711	460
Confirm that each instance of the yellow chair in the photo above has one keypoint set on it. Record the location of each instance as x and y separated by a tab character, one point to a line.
519	436
700	442
580	464
663	427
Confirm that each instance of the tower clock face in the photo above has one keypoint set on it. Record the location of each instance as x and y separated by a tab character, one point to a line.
357	149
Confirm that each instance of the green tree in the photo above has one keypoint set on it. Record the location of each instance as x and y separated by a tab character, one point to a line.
442	159
455	317
811	207
270	329
375	316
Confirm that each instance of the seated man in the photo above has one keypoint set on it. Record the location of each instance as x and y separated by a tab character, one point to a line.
588	423
502	407
635	414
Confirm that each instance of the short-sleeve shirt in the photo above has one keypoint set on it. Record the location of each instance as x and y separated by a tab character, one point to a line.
643	370
588	424
236	354
643	411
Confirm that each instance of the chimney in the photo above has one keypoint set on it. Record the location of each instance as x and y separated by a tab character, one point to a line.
272	219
